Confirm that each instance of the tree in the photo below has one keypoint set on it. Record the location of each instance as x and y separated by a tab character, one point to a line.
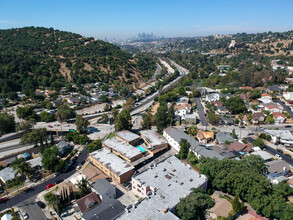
84	187
213	118
123	121
236	205
81	123
192	130
128	104
147	121
241	116
171	115
160	117
50	159
194	206
47	117
235	105
26	126
184	148
259	142
270	119
21	167
35	136
7	123
63	113
26	112
191	158
95	145
114	112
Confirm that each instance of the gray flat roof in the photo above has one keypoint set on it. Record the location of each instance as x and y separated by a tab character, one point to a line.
35	162
283	134
102	186
111	161
174	178
127	135
123	148
7	174
153	137
277	166
195	145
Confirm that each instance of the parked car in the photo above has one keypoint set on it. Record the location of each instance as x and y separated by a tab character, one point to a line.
41	204
78	167
3	199
288	126
50	185
25	215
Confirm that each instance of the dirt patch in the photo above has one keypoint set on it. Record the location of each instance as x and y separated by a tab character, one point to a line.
65	71
155	108
88	67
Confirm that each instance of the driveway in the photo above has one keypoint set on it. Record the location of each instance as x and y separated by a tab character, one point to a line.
32	209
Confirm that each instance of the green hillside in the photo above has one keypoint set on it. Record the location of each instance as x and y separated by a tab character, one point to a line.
33	57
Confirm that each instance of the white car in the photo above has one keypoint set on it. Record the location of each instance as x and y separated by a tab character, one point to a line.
25	215
78	167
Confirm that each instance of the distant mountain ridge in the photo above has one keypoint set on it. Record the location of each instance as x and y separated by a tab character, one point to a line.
33	57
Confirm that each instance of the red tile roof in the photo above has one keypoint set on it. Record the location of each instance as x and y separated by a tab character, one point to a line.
278	114
237	146
266	94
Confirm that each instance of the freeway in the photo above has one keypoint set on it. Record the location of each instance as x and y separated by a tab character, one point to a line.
273	151
200	109
33	191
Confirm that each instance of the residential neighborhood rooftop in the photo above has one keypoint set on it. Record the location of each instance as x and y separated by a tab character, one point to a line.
277	166
111	161
102	186
263	154
153	137
123	148
127	135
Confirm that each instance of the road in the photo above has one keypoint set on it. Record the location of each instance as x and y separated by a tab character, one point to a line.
287	108
35	190
200	110
273	151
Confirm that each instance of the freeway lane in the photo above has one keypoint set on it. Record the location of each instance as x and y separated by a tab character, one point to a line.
35	190
273	151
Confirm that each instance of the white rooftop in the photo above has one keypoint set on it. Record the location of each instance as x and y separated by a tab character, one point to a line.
35	162
173	178
153	137
283	134
127	135
7	174
111	161
123	148
263	154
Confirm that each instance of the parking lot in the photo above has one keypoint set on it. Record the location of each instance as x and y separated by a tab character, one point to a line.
32	209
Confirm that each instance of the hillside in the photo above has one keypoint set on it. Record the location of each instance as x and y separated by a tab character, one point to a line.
40	57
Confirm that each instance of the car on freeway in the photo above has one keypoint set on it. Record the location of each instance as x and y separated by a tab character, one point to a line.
288	126
25	215
50	126
50	185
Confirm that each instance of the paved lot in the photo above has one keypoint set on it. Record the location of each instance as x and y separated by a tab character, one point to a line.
32	209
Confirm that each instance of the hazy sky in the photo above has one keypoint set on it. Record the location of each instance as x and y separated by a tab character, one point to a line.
171	18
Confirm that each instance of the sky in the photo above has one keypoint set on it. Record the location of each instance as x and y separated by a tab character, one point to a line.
121	19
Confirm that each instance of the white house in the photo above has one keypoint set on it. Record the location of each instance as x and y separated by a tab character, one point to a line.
279	117
182	110
282	136
104	189
213	97
288	95
272	108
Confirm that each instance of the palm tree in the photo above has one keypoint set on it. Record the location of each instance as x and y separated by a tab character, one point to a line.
84	187
21	167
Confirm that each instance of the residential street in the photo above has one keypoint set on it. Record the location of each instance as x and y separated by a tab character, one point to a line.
288	109
200	110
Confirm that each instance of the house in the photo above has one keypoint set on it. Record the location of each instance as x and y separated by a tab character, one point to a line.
222	207
87	202
182	110
114	167
246	88
243	97
205	136
155	142
161	188
104	189
63	147
222	110
241	148
280	118
223	137
263	154
7	174
107	210
122	149
288	96
257	118
184	100
266	96
272	108
280	136
128	137
274	88
36	163
224	150
277	168
213	97
174	136
190	119
226	120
